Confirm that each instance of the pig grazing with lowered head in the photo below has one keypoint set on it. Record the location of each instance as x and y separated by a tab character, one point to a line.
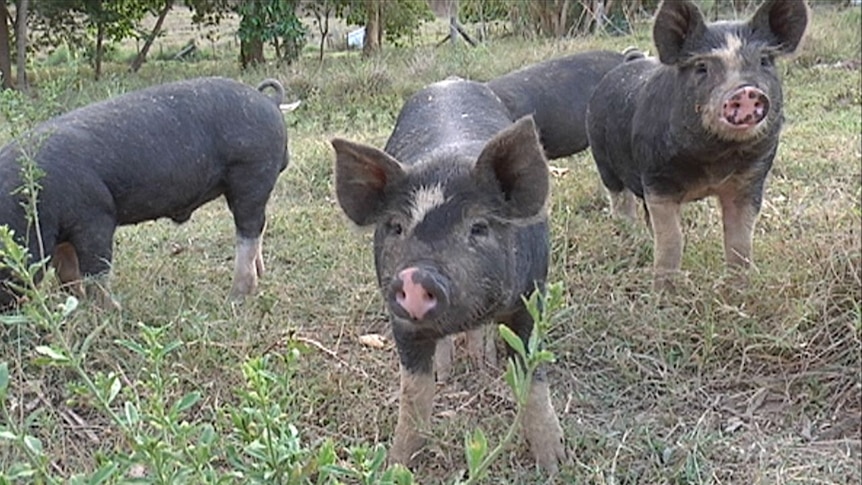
458	200
159	152
702	120
556	93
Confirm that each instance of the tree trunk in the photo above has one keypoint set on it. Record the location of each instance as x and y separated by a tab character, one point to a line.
453	30
142	55
562	20
250	53
600	15
323	26
5	53
372	28
21	43
100	34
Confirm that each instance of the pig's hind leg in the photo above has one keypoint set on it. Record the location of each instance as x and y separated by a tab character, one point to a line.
94	247
247	202
64	258
623	203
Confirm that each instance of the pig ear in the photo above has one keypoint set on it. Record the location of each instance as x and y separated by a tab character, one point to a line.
362	175
781	22
675	23
515	162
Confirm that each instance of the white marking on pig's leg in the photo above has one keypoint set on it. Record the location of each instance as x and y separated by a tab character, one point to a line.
623	204
414	414
248	250
542	428
424	200
665	215
444	353
738	218
258	257
481	346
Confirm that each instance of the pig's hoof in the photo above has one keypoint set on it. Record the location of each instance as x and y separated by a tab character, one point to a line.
404	448
546	442
242	289
108	303
739	276
666	281
100	295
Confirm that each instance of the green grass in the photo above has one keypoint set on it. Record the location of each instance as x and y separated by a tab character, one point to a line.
717	384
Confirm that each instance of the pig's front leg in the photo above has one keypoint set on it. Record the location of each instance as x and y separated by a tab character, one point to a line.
540	424
416	396
666	218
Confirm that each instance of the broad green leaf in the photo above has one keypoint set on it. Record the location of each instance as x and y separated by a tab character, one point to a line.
186	402
513	340
476	448
131	412
208	435
103	474
116	386
54	355
33	444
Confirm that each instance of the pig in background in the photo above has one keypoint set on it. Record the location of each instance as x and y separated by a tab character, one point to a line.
158	152
702	120
458	201
555	92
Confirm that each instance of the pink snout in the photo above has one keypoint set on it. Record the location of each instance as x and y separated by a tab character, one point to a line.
415	293
745	107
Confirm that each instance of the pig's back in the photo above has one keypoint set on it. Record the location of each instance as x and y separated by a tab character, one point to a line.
451	113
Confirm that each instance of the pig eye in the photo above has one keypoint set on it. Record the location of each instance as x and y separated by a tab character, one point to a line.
700	68
479	229
394	228
766	61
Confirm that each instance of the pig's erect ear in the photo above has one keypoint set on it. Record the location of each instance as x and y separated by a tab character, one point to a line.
676	24
362	175
515	162
781	23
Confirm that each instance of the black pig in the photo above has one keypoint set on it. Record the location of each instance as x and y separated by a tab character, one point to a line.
458	202
703	120
159	152
556	93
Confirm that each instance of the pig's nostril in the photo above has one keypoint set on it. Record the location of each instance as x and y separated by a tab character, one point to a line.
746	107
416	293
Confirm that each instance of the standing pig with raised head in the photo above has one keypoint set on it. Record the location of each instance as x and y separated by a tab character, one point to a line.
556	92
458	203
703	120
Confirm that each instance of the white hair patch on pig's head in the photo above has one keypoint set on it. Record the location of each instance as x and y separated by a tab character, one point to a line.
730	54
425	199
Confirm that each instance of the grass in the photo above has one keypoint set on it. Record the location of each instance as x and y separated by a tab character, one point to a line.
718	384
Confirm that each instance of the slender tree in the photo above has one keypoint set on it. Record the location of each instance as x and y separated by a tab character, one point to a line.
5	52
22	6
372	27
166	7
